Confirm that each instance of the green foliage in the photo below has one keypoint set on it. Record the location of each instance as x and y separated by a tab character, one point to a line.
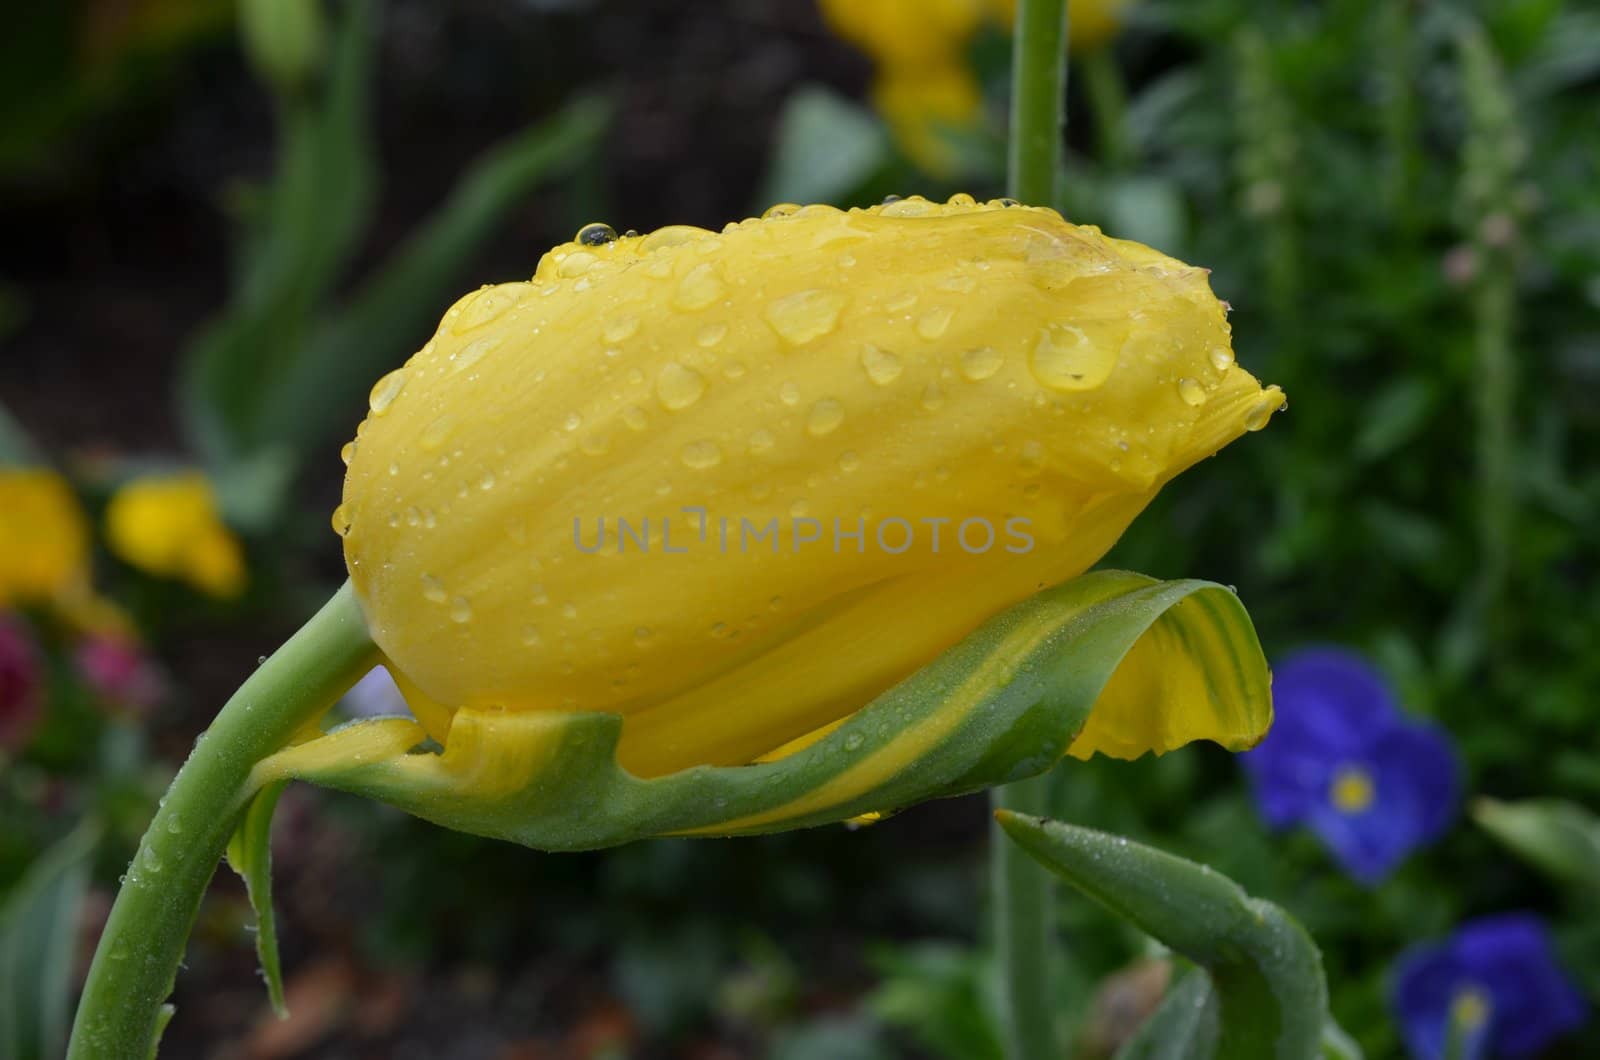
273	377
39	921
250	855
1263	969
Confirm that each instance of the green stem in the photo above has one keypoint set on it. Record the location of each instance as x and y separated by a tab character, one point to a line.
1023	890
1495	388
1024	896
1038	100
137	959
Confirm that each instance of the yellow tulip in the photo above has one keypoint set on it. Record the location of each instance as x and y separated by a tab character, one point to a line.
991	373
169	526
44	537
1090	23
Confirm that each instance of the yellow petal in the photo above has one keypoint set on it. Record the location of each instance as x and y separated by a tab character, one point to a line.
791	381
1090	23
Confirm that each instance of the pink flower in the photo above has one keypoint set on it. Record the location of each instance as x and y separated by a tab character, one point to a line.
21	683
120	673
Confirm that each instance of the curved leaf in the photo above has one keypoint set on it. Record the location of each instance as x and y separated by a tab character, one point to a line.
1264	968
1003	704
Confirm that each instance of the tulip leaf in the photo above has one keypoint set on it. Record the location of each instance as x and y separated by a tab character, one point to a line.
1272	999
1557	837
1003	704
250	855
1185	1027
39	923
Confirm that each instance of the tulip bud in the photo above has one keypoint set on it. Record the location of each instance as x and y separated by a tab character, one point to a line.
731	486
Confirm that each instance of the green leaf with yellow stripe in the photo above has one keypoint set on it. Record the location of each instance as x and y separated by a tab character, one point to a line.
1111	661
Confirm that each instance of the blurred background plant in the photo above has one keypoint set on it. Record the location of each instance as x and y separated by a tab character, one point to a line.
201	279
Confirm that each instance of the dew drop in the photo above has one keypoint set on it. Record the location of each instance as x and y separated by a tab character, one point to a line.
620	329
761	440
576	264
341	521
702	454
572	422
932	397
347	451
849	460
935	322
882	367
678	387
460	610
734	369
538	594
699	288
711	335
1221	358
634	417
1192	392
1258	414
981	362
782	209
805	315
437	432
530	636
433	590
789	394
486	483
385	390
1064	358
595	235
825	418
474	352
595	444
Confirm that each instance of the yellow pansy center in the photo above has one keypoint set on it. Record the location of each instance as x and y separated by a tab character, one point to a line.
1352	790
1470	1008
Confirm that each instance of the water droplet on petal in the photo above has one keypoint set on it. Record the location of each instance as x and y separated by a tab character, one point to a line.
805	315
935	322
782	209
437	432
825	418
347	451
1064	358
595	235
702	454
882	367
341	521
576	264
433	590
678	387
1192	392
572	422
699	288
932	397
1258	414
981	363
849	460
530	636
385	390
460	610
474	352
710	335
1221	358
620	329
761	440
789	394
635	418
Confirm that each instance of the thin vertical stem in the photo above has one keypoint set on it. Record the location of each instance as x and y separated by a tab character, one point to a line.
1023	891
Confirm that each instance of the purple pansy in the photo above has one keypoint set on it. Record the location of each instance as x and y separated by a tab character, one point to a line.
1497	981
1343	760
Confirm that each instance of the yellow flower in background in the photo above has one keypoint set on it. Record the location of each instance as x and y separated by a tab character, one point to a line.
905	33
696	478
1091	24
923	85
44	537
924	107
169	526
